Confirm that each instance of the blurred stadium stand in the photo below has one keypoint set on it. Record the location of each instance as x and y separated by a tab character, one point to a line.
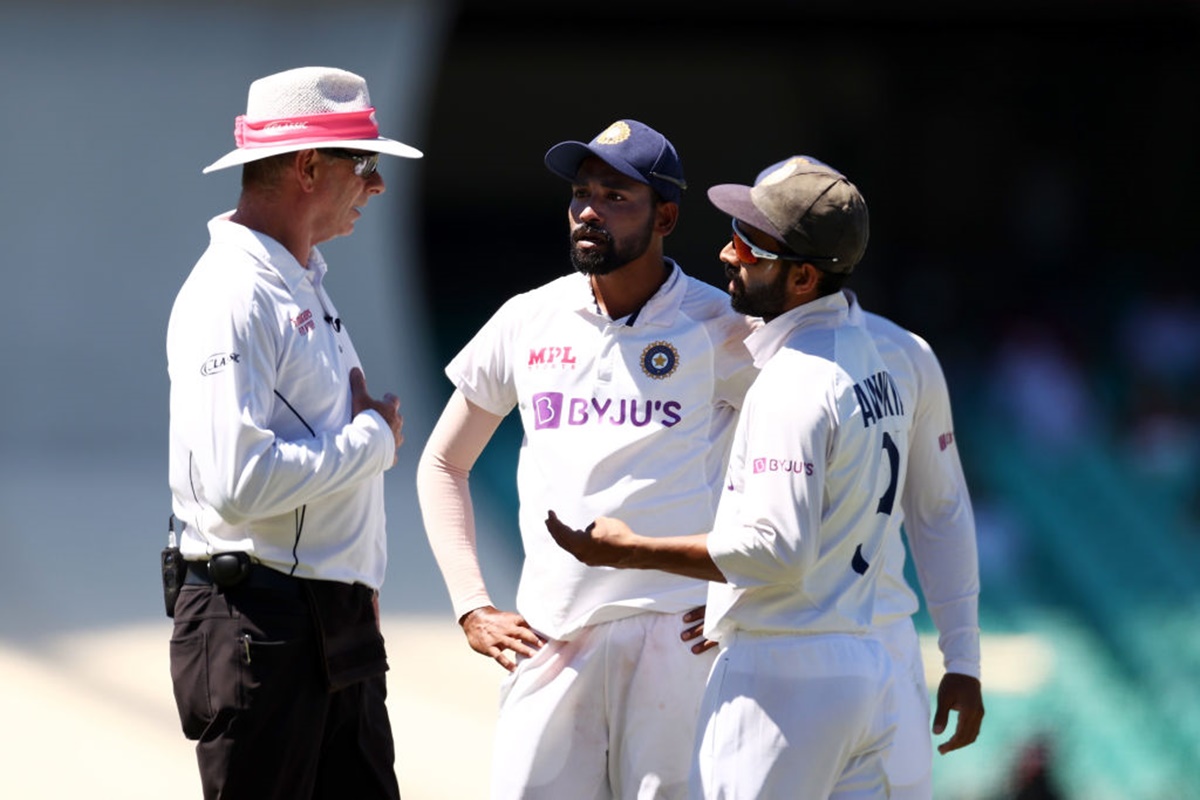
1107	583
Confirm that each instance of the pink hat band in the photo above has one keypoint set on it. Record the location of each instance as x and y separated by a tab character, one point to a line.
347	125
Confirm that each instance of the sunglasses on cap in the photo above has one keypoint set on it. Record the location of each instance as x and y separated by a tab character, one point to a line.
750	253
365	164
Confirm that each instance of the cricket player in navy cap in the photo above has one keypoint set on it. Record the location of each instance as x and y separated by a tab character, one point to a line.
627	374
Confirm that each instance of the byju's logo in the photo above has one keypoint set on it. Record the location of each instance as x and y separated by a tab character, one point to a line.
782	465
553	410
547	410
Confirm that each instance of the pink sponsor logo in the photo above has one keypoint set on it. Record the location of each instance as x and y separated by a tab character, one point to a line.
552	357
304	323
761	465
945	440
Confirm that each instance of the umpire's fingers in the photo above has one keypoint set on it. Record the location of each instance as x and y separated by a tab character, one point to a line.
359	399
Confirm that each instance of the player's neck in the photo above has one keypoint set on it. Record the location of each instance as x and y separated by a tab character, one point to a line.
623	291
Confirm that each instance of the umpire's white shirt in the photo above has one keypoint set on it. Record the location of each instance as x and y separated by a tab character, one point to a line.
815	465
264	456
629	418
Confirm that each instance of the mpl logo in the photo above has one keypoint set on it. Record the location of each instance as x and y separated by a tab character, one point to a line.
547	410
552	357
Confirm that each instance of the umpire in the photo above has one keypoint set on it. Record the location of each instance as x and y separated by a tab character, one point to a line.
277	455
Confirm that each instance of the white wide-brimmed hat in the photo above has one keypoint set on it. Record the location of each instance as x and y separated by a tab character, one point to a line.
308	107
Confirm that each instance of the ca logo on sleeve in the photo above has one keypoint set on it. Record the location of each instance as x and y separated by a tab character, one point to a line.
217	362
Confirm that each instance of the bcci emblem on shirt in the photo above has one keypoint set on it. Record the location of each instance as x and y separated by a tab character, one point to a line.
659	360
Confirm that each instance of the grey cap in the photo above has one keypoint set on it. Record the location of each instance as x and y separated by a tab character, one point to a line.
805	205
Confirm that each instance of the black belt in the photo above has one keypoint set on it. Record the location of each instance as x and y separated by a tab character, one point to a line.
228	570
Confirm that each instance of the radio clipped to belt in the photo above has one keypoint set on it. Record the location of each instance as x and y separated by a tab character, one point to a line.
174	569
224	570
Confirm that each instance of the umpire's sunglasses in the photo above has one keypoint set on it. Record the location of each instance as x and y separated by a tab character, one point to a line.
365	164
750	253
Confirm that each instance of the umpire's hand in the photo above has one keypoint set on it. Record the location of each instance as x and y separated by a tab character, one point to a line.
388	408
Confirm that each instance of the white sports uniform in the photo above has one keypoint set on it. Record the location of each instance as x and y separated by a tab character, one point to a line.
260	395
632	418
799	702
935	510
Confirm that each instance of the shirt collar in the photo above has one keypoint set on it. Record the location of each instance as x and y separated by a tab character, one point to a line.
855	313
269	252
824	312
661	309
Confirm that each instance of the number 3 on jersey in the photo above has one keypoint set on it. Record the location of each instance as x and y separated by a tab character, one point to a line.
888	500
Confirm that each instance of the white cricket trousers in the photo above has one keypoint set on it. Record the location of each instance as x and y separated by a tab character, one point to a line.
795	717
609	714
909	761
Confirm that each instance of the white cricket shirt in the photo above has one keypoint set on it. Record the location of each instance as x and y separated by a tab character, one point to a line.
625	420
935	511
263	454
814	474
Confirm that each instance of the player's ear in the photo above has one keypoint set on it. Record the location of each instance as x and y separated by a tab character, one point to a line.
802	281
666	215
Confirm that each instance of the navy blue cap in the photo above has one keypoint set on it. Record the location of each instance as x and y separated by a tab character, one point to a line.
805	205
631	148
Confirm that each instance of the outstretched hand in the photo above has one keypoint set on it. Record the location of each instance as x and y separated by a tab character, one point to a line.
963	694
388	408
491	632
604	543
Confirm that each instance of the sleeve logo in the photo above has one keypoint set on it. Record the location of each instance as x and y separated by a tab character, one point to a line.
761	465
218	362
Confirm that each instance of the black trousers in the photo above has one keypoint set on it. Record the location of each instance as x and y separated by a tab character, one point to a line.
281	683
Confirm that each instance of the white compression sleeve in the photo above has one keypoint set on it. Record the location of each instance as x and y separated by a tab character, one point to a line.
443	491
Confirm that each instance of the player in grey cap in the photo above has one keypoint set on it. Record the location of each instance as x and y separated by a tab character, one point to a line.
799	702
939	524
627	375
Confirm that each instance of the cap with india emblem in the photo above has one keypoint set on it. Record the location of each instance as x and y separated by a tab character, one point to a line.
630	147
